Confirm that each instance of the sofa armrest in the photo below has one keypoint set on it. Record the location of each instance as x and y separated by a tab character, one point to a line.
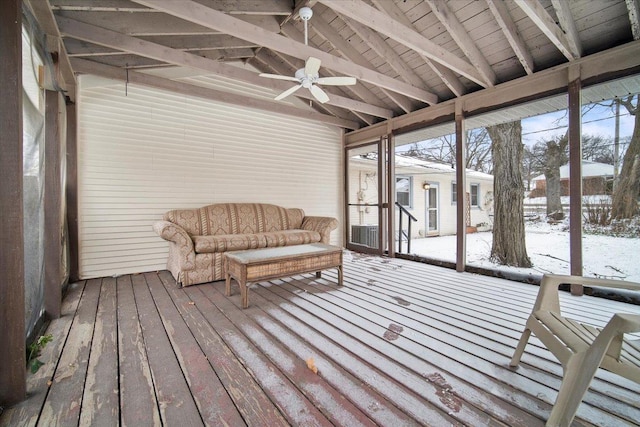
180	240
321	224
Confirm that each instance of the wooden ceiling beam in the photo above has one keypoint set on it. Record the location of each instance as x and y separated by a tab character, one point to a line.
201	15
634	17
510	31
235	7
187	43
446	75
463	40
324	30
153	23
89	67
537	13
200	42
567	23
382	23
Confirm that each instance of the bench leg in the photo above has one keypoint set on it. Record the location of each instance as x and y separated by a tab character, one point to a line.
318	274
244	293
227	288
339	275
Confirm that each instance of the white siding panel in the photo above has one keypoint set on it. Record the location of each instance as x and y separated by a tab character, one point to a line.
150	151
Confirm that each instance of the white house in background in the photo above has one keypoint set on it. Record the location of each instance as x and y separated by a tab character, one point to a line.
427	190
595	177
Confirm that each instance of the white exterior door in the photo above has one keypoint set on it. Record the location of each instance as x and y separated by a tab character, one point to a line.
432	213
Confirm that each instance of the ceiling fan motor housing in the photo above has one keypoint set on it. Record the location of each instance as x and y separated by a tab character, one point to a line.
305	13
304	79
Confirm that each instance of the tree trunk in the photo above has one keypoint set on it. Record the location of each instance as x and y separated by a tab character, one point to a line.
625	196
508	227
556	157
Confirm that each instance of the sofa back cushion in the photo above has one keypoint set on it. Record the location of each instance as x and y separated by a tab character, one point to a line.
235	218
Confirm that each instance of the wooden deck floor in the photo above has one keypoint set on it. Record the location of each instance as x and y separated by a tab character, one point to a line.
401	343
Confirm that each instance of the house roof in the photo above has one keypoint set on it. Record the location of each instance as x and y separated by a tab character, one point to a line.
589	169
406	55
406	165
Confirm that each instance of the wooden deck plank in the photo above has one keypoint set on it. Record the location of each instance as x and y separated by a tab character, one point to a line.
296	408
429	379
27	412
492	370
330	401
419	293
63	403
248	397
100	403
214	403
176	404
602	401
342	369
136	383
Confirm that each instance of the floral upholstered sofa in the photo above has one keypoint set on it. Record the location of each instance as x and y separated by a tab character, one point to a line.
199	237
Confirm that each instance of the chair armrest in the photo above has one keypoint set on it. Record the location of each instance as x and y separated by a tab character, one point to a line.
548	295
183	242
321	224
610	339
628	323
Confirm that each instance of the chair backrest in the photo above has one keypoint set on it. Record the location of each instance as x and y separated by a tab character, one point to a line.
235	218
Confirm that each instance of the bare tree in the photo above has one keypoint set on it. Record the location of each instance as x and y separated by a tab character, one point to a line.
443	150
554	156
625	196
530	167
509	246
598	149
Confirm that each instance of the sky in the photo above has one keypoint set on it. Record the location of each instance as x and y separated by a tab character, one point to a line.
598	121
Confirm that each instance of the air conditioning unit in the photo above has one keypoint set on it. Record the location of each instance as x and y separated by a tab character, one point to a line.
366	235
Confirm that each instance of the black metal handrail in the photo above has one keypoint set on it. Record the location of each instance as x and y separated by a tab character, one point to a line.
411	219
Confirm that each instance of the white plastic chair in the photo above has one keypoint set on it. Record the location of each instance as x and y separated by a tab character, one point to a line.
581	348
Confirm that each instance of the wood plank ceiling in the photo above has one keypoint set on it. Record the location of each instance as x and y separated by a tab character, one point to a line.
406	55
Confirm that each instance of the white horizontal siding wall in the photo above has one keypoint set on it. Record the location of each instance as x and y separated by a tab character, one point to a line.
150	151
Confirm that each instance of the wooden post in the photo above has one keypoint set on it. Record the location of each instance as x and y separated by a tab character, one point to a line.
391	194
13	383
52	207
72	193
461	185
575	176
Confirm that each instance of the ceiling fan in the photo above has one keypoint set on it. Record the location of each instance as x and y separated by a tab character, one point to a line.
308	77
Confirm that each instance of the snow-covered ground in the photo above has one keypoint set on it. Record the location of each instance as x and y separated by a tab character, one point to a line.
548	249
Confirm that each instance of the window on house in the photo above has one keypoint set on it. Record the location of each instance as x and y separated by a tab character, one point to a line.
403	190
475	195
454	193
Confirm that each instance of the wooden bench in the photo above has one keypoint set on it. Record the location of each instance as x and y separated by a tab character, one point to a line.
256	265
580	347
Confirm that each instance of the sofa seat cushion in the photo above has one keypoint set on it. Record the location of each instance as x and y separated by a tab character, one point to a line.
239	242
291	237
228	242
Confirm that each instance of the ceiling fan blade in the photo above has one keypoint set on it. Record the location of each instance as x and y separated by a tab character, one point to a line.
287	92
279	77
319	94
336	81
312	66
